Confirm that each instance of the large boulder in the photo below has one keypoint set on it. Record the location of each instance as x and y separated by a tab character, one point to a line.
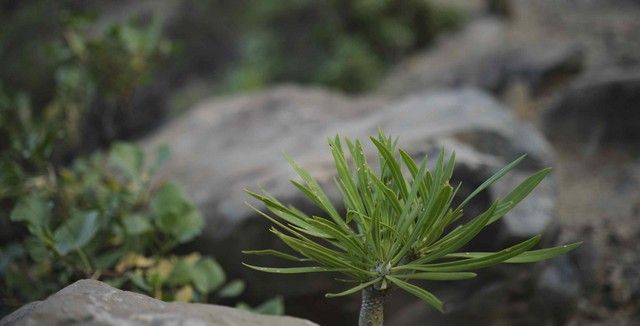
224	146
90	302
487	54
600	108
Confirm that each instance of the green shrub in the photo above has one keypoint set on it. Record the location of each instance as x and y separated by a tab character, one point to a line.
106	217
396	229
341	44
103	218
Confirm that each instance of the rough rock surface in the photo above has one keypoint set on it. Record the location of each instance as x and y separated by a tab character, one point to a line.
90	302
486	54
600	108
223	146
606	30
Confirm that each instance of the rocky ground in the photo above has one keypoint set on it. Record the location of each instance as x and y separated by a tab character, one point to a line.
90	302
566	76
557	80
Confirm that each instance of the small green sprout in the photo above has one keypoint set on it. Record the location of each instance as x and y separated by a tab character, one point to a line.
396	228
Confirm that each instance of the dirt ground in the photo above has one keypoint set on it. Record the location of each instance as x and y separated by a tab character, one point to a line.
599	202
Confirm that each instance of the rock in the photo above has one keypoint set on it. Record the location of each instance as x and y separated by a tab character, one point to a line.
558	289
606	30
600	108
90	302
487	55
223	146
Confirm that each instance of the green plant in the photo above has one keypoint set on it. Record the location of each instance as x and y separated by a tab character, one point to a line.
341	44
396	229
103	217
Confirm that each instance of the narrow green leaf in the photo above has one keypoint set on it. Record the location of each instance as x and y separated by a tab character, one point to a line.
523	190
353	289
421	293
463	235
313	190
393	165
295	270
436	276
388	193
525	257
275	253
474	263
232	290
501	173
322	254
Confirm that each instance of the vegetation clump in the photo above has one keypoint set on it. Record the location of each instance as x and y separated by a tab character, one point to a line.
397	228
106	216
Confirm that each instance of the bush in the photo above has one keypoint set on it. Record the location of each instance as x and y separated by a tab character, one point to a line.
67	217
103	218
341	44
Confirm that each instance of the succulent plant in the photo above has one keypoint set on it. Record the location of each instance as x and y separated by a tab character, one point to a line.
400	225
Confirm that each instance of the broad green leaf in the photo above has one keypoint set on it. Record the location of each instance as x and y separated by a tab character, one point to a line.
175	214
274	306
207	275
136	224
421	293
35	212
76	232
128	158
181	273
232	289
525	257
139	281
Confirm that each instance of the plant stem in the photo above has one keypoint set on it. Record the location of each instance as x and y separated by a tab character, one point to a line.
372	309
85	261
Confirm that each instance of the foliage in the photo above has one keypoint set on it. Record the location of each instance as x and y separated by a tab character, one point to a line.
85	75
342	44
103	218
396	228
100	216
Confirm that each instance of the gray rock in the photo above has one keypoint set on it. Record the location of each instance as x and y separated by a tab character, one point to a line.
600	108
558	289
223	146
606	30
487	55
90	302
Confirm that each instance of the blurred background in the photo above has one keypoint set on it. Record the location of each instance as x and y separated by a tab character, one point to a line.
128	130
